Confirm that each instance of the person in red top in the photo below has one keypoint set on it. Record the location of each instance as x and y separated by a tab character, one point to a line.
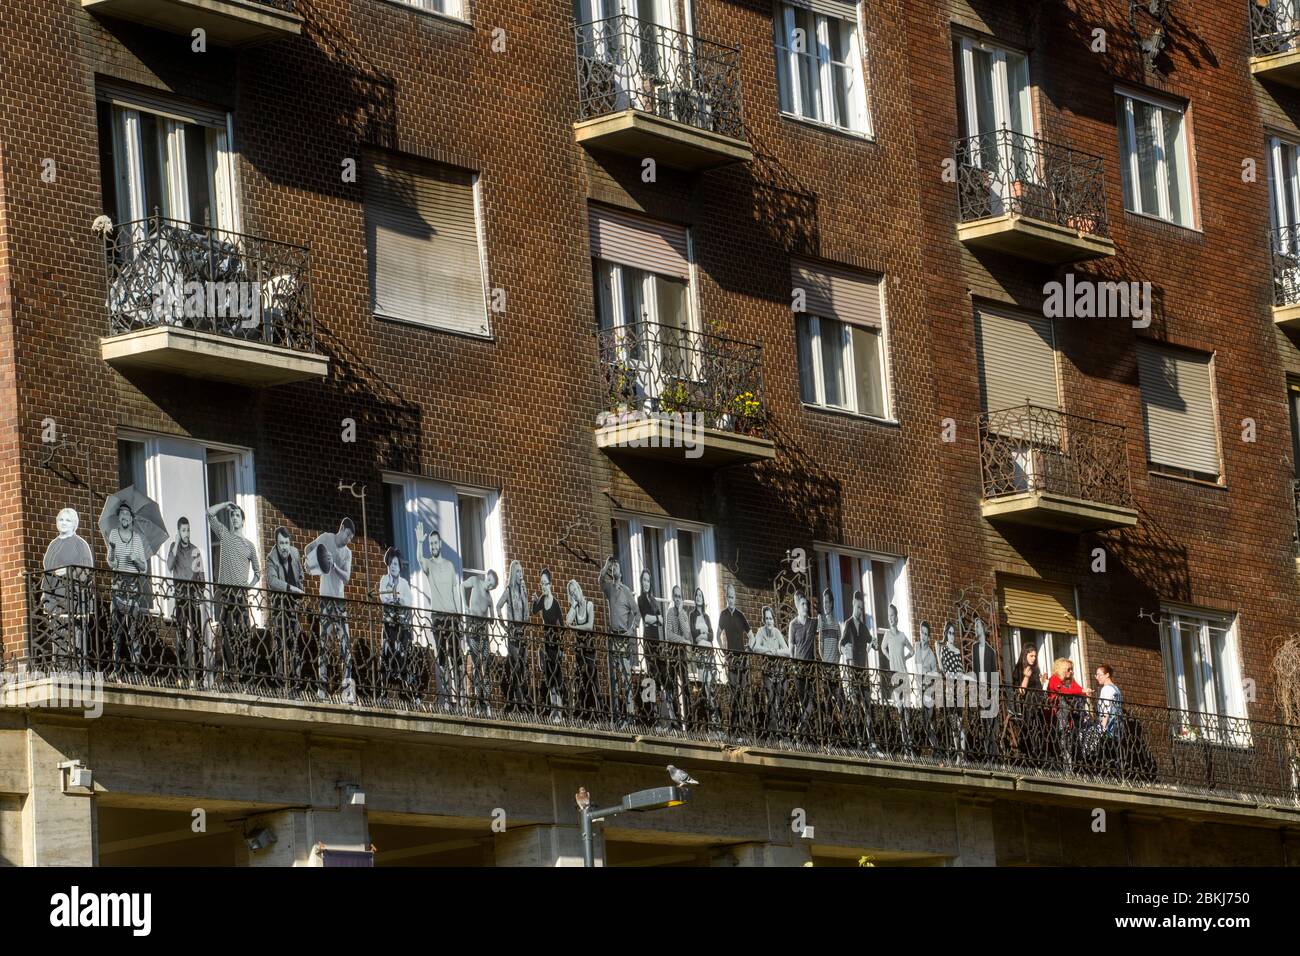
1067	713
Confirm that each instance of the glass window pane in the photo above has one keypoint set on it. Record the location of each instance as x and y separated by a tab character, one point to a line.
1189	643
473	531
671	305
1017	92
1220	671
809	80
108	171
985	111
832	351
867	369
1144	115
130	465
200	157
807	386
881	596
153	151
1175	160
1126	148
652	549
687	565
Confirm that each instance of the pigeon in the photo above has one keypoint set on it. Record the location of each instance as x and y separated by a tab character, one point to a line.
681	777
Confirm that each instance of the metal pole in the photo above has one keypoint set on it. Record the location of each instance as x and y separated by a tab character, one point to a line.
588	853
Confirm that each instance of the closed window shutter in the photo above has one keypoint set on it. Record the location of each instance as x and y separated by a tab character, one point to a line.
630	240
422	231
1017	358
134	98
834	293
1178	408
844	9
1038	605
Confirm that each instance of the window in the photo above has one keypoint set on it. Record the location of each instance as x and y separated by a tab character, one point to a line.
165	157
1203	673
642	272
422	231
468	522
674	552
1178	410
1017	360
840	335
994	89
881	579
820	65
186	478
1043	614
450	8
1156	159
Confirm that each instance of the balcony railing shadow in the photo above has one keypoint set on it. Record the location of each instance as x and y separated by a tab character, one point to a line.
626	63
164	633
163	272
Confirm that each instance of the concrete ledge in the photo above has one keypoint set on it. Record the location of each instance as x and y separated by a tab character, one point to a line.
227	22
1034	239
1279	67
659	439
209	356
633	133
1041	509
1287	316
337	722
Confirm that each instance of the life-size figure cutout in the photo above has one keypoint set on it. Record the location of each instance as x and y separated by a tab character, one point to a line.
66	593
184	564
330	559
624	617
287	584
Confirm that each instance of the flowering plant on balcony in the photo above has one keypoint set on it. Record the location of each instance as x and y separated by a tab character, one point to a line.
675	398
748	412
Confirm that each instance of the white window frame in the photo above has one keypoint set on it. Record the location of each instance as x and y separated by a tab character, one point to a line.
818	370
493	546
455	9
899	588
1184	150
789	75
1001	87
1178	672
129	163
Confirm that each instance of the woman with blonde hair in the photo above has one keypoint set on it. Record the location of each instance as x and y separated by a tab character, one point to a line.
1066	700
514	603
581	619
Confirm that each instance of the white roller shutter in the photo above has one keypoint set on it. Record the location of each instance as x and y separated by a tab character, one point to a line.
1178	408
843	9
831	292
422	233
630	240
1017	356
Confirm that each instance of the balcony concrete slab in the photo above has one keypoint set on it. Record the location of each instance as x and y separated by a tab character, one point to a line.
226	22
1034	239
1057	512
644	135
213	357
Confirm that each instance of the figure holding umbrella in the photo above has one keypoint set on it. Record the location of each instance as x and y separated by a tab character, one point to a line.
132	526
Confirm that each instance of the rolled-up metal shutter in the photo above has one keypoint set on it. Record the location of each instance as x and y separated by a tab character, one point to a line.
1038	605
1178	408
422	232
1017	359
835	293
631	240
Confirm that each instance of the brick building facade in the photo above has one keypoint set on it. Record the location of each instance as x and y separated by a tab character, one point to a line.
348	83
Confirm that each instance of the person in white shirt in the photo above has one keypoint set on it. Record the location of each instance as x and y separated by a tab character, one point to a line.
1110	702
445	602
333	566
395	596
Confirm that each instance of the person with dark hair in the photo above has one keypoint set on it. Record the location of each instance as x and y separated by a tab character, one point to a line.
237	560
855	642
801	636
895	674
926	676
623	616
184	565
330	559
548	606
734	631
704	664
652	625
677	638
445	601
395	645
285	581
581	620
1110	703
953	710
127	559
1026	726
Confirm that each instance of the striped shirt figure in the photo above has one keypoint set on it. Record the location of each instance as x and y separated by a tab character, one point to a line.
238	554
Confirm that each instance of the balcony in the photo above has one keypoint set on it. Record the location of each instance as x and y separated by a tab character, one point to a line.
650	92
1047	469
227	22
1029	198
187	651
1285	247
206	303
1275	40
671	394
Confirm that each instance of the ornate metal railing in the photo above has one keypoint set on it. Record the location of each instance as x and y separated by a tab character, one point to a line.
1295	503
160	633
1274	26
651	368
1005	172
626	63
1285	247
162	272
1031	448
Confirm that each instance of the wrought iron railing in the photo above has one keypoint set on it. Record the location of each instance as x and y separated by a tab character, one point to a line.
626	63
650	368
1031	448
162	633
162	272
1005	172
1285	247
1274	26
1295	504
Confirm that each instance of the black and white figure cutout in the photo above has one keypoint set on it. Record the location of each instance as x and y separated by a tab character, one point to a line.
514	608
623	617
443	581
395	646
330	559
237	569
828	630
65	592
132	526
285	581
547	606
478	610
184	565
